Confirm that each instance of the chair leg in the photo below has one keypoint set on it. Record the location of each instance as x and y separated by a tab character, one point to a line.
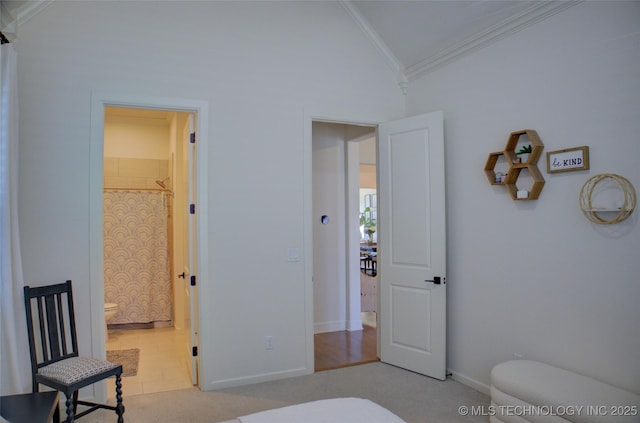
119	406
75	403
69	403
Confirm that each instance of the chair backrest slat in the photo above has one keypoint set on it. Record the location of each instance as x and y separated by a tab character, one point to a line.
63	337
72	320
52	326
44	344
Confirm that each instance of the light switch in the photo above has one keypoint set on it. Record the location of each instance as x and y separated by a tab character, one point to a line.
293	254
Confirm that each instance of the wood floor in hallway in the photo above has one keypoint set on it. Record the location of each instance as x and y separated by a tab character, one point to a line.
345	348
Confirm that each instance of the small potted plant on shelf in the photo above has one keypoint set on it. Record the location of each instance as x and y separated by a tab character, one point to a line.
523	154
368	223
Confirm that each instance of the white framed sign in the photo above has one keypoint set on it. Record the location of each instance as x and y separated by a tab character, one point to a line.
568	160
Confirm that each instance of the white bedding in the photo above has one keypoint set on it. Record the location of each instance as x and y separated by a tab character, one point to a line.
336	410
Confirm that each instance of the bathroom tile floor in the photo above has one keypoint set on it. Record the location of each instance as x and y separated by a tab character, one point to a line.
163	362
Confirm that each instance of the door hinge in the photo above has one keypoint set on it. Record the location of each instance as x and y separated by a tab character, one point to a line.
193	280
192	209
192	138
194	351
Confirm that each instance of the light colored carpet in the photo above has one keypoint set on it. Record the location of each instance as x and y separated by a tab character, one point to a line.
128	358
414	398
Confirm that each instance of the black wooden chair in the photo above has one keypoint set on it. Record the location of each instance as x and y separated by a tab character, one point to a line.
53	346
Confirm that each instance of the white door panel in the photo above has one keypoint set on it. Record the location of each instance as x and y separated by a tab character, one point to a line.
412	244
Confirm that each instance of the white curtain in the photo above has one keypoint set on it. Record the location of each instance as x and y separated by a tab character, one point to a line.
15	373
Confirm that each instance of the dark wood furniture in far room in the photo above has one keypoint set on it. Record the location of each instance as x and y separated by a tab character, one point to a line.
368	258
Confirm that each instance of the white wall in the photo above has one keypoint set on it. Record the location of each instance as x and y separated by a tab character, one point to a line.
536	278
133	137
263	68
368	151
329	241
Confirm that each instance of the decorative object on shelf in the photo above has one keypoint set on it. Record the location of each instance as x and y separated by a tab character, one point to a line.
495	178
516	162
524	149
614	209
524	152
568	160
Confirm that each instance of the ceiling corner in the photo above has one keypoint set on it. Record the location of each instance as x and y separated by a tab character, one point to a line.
20	12
392	61
31	9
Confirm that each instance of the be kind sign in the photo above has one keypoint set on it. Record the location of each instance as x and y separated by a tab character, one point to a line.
568	160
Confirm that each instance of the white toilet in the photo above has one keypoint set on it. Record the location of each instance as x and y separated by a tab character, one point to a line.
110	311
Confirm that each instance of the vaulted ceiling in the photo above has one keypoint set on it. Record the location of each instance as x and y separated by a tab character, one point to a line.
419	36
415	37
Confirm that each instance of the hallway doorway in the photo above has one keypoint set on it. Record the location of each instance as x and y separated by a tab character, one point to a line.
345	331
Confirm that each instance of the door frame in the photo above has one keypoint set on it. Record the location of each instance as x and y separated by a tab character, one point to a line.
96	219
309	118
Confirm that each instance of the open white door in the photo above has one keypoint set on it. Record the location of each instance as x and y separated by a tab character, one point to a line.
190	241
411	237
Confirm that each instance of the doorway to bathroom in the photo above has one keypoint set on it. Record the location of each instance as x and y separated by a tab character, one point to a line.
148	169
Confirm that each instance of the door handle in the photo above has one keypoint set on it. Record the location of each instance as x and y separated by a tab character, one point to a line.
182	275
437	280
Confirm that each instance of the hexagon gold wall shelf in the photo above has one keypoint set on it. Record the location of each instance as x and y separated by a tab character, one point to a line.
516	166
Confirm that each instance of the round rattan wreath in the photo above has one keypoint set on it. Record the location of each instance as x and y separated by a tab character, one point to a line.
623	212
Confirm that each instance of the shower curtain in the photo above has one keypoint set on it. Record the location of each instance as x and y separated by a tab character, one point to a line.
136	256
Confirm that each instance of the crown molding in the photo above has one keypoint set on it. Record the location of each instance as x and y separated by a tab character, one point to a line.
530	16
392	61
507	27
31	9
26	11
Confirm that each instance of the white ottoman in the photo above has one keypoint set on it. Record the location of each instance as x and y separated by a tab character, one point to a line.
529	391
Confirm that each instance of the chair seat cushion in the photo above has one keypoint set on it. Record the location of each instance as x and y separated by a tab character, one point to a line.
75	369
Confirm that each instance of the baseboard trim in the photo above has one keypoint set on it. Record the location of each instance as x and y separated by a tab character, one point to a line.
337	325
354	325
471	383
249	380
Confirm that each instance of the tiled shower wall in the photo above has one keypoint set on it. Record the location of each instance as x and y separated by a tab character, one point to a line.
135	173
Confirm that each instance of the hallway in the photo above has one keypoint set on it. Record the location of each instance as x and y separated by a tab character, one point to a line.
346	348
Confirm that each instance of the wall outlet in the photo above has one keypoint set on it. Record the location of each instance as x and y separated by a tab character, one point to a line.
268	342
